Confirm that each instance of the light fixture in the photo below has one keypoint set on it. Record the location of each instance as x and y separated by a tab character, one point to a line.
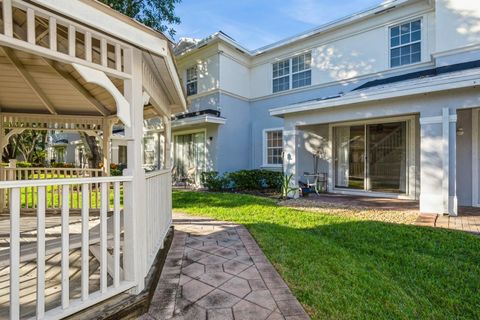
460	131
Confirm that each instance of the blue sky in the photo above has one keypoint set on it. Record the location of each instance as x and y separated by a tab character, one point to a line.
255	23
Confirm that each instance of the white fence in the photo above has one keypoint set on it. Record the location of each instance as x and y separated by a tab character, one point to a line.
158	209
108	241
52	193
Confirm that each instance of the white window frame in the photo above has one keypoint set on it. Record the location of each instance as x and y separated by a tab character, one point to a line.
190	81
265	148
421	42
291	73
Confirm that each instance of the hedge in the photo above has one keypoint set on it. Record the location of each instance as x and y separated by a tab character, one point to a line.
242	180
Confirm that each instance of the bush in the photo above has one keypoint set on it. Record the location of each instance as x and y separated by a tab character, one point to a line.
242	180
115	172
213	181
63	165
256	179
24	164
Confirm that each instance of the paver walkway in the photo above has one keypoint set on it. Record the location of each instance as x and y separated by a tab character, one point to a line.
215	270
468	220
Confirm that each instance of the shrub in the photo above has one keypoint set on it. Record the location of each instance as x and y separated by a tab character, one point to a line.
24	164
115	172
63	165
256	179
213	181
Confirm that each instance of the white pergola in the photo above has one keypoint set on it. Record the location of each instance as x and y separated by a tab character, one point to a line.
77	65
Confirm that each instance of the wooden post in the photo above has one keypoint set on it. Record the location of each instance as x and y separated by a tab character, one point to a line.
135	214
107	133
167	156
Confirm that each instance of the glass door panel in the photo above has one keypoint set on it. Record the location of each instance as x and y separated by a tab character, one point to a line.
349	157
387	152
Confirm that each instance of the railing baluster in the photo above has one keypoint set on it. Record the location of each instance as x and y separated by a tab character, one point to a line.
88	46
31	25
65	247
85	244
52	30
7	18
14	253
118	57
103	237
103	52
41	254
72	39
116	234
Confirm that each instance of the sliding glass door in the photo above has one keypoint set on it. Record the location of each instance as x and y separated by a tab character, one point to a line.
371	157
189	154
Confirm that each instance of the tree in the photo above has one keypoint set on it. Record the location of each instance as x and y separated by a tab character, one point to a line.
157	14
30	144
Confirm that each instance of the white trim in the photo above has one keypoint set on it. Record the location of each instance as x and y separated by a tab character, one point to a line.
111	22
265	146
475	160
452	81
202	119
421	41
100	78
437	119
410	164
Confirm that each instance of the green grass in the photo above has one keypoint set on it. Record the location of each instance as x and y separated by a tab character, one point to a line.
343	268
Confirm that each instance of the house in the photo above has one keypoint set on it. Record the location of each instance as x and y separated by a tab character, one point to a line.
78	237
385	102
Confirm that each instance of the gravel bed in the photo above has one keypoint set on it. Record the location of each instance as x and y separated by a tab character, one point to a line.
365	213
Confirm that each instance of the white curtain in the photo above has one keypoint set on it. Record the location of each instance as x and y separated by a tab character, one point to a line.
342	145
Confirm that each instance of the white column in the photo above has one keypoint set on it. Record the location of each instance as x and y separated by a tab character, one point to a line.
167	156
107	133
134	206
290	158
438	164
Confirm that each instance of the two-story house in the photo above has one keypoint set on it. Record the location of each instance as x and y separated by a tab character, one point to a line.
386	100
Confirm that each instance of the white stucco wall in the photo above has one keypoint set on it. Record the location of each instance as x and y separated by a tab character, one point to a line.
457	24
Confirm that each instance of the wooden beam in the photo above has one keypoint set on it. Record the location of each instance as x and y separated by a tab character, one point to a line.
78	86
29	79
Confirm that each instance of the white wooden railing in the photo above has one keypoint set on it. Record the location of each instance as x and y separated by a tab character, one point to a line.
159	210
107	240
95	49
52	193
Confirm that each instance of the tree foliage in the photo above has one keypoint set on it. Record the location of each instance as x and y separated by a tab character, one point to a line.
157	14
30	144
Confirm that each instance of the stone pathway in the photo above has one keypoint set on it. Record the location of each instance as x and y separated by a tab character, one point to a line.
215	270
468	220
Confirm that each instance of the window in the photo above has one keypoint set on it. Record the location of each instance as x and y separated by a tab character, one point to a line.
292	73
192	75
273	147
405	43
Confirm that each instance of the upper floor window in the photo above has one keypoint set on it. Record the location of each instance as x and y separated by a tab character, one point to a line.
292	73
405	43
273	147
192	76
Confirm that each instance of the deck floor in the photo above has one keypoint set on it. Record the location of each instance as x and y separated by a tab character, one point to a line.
28	270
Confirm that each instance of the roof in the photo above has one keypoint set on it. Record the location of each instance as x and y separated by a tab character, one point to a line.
356	17
451	77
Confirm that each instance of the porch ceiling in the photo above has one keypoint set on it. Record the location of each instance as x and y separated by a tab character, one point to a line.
33	84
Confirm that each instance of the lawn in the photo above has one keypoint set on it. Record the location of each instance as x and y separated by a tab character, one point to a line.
343	268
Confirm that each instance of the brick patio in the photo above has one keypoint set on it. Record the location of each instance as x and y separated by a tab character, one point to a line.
468	220
215	270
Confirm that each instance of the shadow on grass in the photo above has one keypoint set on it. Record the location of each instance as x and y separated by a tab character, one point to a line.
342	268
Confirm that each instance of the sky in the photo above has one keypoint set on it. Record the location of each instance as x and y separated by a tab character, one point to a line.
256	23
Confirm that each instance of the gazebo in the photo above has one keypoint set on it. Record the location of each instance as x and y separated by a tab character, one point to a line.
71	240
